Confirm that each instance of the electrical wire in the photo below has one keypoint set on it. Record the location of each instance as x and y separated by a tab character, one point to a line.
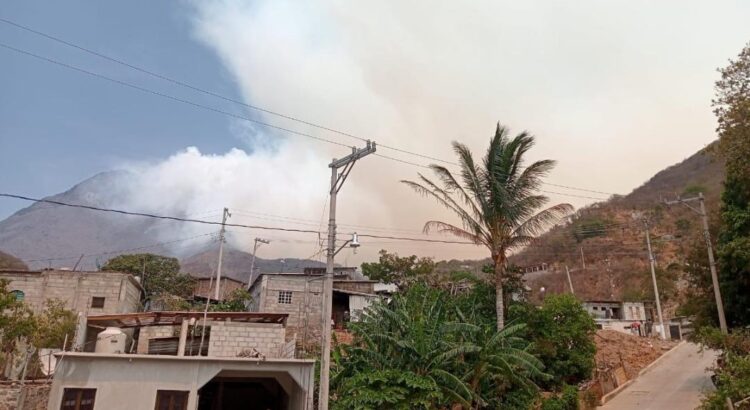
214	223
250	106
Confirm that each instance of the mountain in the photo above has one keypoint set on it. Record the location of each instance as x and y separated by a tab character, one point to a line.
47	235
609	238
8	261
236	264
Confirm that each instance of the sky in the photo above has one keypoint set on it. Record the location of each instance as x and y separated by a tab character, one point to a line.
613	91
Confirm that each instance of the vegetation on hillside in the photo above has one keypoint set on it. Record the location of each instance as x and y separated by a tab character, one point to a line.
497	201
732	108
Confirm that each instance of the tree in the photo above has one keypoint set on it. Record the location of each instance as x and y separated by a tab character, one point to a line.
236	302
422	351
496	201
732	109
160	275
562	335
401	271
53	324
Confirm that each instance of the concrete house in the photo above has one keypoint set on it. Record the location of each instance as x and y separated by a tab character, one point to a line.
239	360
299	295
82	292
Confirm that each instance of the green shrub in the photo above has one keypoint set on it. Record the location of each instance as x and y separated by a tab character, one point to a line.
566	400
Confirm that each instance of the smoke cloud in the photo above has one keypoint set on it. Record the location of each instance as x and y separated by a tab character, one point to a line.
610	94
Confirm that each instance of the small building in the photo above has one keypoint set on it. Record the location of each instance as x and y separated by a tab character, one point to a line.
300	296
620	316
206	287
82	292
238	360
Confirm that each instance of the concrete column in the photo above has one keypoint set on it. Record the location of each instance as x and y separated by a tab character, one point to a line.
80	336
183	337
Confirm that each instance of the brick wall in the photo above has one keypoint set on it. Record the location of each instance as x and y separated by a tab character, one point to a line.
230	338
76	289
36	395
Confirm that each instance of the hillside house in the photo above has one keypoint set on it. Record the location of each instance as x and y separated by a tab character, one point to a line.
239	360
300	296
205	287
82	292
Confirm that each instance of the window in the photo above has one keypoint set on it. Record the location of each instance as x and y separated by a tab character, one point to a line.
19	295
285	297
97	302
171	400
78	399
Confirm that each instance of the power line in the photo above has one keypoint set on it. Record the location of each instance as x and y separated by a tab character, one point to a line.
170	97
255	107
200	221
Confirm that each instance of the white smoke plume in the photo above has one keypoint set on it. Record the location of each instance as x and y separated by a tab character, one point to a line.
596	82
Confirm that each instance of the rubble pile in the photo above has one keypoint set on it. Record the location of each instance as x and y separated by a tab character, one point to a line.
633	353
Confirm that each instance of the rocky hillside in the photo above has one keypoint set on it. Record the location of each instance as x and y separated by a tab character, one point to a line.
604	247
237	263
11	262
44	235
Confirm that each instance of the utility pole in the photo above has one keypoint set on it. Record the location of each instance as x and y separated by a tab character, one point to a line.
337	181
221	252
583	261
570	282
611	281
656	288
711	262
252	262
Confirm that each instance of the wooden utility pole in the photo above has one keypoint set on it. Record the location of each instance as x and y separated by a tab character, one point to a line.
570	282
583	261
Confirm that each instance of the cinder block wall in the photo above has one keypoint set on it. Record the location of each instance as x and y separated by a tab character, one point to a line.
230	338
305	306
152	332
76	290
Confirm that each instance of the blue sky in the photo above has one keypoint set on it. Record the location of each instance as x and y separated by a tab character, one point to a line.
58	127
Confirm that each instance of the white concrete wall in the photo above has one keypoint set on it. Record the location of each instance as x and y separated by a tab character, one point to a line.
132	381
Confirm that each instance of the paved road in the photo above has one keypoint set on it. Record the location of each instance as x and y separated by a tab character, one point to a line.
677	382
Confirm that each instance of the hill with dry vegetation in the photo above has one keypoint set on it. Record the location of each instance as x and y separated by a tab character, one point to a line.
604	247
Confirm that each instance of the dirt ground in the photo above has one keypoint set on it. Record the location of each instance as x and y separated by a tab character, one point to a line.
633	353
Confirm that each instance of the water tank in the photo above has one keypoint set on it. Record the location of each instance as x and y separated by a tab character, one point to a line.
111	341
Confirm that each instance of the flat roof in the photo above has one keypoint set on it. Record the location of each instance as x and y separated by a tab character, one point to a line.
171	318
353	292
130	276
210	278
89	355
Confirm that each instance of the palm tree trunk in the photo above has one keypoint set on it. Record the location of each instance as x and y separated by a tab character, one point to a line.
499	302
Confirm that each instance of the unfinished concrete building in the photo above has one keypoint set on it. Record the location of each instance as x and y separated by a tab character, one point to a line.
238	360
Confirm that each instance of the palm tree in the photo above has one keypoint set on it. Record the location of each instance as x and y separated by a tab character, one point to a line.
496	201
